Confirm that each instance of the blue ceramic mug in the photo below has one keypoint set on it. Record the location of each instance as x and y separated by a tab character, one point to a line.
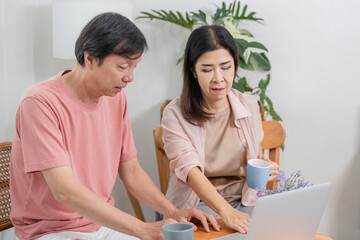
257	173
178	231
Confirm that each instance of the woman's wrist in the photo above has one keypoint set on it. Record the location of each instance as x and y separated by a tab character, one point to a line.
224	210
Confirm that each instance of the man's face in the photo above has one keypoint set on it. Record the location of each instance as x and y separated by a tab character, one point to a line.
114	73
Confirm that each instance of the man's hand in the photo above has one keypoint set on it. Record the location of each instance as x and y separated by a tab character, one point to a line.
153	231
195	215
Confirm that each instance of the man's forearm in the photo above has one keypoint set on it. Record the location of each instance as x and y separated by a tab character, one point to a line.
138	183
67	190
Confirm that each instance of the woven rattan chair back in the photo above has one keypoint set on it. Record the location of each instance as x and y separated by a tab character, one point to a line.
5	206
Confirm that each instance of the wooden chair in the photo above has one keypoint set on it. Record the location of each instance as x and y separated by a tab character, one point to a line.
162	160
5	206
274	137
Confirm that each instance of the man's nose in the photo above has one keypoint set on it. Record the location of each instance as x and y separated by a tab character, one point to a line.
129	76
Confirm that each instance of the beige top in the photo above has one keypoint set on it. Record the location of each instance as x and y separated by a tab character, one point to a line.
225	157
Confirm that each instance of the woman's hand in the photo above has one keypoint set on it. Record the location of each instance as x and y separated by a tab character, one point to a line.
236	220
274	168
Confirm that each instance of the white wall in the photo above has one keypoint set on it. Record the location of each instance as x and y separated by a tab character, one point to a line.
315	83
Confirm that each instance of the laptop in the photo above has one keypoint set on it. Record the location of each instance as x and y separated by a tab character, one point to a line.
291	215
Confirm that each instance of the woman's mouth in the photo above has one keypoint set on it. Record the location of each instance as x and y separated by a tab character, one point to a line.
218	90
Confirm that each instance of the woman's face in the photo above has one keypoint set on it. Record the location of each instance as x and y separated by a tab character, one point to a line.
215	72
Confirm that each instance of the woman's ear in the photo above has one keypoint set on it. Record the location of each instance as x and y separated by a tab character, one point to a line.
194	73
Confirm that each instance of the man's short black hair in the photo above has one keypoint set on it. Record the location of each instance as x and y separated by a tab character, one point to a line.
110	33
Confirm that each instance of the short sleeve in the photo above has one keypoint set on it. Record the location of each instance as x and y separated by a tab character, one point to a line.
41	139
128	149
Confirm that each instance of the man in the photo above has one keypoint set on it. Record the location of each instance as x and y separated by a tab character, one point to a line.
73	137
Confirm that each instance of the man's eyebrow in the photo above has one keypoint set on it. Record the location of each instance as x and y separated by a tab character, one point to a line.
210	65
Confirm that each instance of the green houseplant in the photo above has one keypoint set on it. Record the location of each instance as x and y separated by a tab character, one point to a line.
252	54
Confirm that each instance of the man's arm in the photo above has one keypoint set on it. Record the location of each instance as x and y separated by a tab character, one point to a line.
138	183
66	189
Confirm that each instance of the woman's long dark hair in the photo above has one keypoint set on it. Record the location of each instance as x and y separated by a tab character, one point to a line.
203	39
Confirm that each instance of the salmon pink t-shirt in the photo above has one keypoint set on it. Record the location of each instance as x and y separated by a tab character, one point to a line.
55	129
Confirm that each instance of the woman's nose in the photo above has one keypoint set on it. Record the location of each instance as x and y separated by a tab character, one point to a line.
218	77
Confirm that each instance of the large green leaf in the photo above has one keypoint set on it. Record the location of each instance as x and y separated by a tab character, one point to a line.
200	16
260	61
263	83
271	110
170	16
234	9
241	46
257	45
219	16
242	85
245	33
253	50
246	66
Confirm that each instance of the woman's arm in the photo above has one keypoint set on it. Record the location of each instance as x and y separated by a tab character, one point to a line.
208	194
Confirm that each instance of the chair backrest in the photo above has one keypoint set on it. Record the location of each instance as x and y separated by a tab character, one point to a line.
5	206
162	160
274	137
136	206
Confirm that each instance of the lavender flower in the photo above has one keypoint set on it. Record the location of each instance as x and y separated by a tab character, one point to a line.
285	184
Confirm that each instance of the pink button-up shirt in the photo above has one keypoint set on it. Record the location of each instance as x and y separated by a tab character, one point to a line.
184	146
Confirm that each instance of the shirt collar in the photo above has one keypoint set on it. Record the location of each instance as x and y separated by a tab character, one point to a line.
238	109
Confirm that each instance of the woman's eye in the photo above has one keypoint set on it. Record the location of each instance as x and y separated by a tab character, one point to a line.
226	68
123	67
207	70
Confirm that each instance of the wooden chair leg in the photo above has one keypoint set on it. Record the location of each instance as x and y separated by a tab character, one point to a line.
136	206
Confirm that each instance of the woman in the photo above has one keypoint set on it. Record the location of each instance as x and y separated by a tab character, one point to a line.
211	130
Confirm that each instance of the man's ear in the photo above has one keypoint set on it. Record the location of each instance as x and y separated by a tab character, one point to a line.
89	61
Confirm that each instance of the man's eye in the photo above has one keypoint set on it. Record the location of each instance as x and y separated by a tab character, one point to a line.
123	67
